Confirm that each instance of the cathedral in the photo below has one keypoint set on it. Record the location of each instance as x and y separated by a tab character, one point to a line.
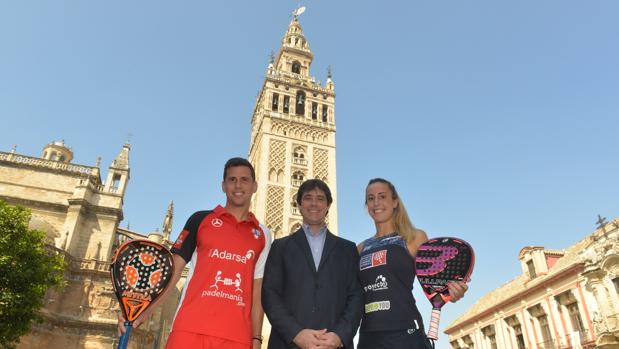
80	214
80	209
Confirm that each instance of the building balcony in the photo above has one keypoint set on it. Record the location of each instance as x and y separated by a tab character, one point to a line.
297	182
299	161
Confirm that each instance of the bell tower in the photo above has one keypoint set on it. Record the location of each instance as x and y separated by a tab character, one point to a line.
293	134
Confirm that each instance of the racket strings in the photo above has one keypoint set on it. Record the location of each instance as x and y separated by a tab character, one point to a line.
141	270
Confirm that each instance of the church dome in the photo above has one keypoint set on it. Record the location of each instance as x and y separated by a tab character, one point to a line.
58	151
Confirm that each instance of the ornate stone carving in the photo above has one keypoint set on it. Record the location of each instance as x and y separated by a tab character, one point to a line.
275	209
277	155
321	164
599	323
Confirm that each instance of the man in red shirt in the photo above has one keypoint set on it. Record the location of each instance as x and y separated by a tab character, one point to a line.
220	305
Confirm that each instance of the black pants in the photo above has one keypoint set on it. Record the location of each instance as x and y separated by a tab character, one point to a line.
399	339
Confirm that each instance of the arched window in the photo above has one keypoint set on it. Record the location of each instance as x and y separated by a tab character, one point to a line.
297	178
275	102
300	105
298	156
296	67
295	206
115	182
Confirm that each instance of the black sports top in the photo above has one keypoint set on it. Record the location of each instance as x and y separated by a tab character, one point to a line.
387	273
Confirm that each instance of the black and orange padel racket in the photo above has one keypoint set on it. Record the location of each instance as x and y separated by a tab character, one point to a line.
141	271
439	261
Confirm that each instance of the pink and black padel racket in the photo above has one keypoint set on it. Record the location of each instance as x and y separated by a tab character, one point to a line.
141	270
439	261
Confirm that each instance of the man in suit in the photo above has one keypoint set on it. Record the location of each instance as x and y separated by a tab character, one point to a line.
310	291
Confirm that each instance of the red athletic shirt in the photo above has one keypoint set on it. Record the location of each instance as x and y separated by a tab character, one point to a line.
223	252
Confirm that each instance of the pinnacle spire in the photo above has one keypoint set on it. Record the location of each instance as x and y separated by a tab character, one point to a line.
294	39
167	222
122	160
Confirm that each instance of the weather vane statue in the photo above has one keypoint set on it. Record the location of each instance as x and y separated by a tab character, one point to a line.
297	12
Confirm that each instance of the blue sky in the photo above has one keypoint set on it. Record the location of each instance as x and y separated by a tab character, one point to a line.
497	121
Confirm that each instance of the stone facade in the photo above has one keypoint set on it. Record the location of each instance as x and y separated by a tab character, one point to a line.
563	299
80	214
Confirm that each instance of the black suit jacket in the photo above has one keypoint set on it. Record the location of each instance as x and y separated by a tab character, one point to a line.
296	296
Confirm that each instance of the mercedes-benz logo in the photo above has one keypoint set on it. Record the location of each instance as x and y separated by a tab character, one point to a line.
216	222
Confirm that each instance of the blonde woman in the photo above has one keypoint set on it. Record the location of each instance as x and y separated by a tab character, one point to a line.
387	272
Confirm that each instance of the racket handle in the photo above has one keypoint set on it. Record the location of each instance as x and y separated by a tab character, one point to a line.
124	339
434	319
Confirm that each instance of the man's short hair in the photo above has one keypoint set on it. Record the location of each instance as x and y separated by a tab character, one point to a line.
234	162
312	184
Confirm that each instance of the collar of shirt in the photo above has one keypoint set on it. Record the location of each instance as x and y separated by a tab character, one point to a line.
251	219
308	231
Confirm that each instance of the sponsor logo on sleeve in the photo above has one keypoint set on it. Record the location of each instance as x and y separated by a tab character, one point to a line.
181	238
373	260
256	234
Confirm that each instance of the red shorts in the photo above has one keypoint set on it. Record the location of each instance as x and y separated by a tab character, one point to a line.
183	340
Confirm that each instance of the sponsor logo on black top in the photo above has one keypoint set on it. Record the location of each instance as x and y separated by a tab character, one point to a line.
373	260
380	284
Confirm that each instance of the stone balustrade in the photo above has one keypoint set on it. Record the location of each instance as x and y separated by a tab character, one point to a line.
51	164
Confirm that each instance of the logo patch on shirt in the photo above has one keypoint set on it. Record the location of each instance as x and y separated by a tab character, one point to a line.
256	234
232	291
216	222
377	306
181	237
373	260
380	284
233	257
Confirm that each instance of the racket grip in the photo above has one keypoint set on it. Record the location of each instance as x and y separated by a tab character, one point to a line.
434	320
124	339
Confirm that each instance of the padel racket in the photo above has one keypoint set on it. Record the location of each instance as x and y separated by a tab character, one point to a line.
439	261
141	271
